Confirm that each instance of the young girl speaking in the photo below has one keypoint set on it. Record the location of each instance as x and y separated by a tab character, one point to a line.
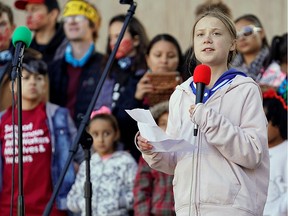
227	173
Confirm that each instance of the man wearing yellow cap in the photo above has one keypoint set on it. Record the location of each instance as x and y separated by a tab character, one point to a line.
73	78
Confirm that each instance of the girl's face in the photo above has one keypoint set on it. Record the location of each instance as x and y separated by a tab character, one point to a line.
104	136
251	43
273	134
212	42
33	86
163	57
127	45
162	121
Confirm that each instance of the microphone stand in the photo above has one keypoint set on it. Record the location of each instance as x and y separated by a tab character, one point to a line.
86	143
16	72
85	119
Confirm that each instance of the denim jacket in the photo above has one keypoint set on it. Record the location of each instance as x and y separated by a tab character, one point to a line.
62	132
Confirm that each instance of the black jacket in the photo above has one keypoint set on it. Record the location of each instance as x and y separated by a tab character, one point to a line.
54	48
89	78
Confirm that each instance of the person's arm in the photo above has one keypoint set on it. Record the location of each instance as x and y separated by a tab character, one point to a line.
75	197
161	161
143	188
244	144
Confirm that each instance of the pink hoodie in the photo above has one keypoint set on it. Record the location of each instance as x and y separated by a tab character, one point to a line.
228	173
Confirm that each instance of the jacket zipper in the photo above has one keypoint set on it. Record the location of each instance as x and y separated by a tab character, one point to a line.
197	189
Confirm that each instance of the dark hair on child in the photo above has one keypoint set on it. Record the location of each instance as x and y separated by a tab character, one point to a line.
106	117
276	111
111	119
278	49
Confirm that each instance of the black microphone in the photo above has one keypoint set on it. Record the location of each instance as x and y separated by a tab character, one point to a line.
21	39
201	77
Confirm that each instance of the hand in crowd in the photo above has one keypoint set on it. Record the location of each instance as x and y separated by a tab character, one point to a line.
144	87
143	143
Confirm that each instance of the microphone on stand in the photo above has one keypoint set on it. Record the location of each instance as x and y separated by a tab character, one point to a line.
21	39
201	77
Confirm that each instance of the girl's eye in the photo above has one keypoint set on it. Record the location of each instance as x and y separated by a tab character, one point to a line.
157	55
106	134
172	56
40	77
216	33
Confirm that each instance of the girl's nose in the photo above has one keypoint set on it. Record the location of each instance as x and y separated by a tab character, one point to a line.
164	58
33	79
207	38
101	138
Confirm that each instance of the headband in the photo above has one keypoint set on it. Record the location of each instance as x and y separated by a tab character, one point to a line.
102	110
79	7
271	93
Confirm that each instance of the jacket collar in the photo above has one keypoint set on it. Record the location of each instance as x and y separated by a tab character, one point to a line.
225	79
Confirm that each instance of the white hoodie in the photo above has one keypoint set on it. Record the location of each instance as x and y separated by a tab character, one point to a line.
228	173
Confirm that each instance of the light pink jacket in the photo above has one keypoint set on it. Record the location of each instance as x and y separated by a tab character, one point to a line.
228	173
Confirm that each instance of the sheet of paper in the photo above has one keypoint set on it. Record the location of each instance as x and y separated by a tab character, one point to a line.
155	135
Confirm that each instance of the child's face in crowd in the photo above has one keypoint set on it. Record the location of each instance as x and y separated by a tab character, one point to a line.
104	136
37	16
6	30
212	41
33	86
77	28
162	121
248	44
163	57
273	134
126	47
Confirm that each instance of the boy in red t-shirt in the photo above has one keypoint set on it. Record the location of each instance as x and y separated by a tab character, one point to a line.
40	145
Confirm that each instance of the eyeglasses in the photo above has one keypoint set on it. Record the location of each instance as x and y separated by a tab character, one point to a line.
77	19
247	31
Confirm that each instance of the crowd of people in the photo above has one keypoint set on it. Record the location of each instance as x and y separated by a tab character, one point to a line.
239	163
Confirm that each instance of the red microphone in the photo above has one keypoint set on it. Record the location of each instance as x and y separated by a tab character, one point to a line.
201	77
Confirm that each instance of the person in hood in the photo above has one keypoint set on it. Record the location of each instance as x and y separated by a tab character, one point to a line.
49	37
226	172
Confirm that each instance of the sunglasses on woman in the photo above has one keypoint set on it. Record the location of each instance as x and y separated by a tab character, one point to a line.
247	31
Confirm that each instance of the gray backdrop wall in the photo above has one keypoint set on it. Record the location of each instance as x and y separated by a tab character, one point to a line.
177	16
